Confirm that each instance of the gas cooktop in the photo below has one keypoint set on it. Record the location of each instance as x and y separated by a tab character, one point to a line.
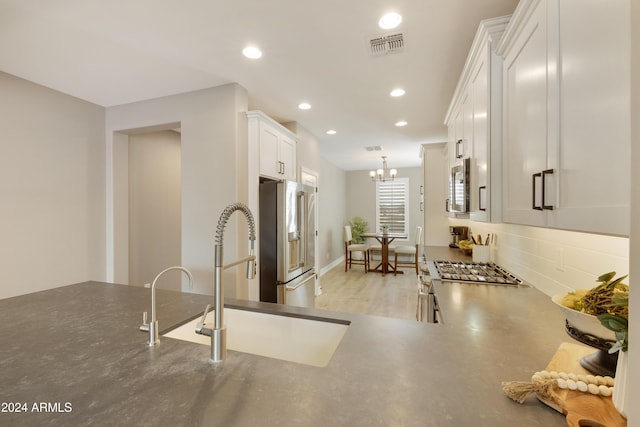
459	271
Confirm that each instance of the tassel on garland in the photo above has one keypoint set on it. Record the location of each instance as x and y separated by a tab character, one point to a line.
543	384
519	390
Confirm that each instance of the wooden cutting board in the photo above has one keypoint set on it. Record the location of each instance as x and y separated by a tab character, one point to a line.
581	409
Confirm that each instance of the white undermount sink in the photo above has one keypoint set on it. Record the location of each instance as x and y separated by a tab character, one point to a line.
311	342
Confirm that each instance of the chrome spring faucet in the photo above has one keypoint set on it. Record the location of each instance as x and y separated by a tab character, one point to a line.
219	333
152	327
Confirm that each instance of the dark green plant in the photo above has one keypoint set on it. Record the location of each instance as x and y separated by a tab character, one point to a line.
358	226
616	319
620	326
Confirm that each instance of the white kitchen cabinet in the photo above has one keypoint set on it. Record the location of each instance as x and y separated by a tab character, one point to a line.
527	82
479	85
566	115
287	156
475	118
276	146
595	141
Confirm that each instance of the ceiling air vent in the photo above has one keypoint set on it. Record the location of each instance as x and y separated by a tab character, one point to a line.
383	45
374	148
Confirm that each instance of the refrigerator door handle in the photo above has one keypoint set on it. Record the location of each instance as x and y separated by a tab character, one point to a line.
297	285
302	221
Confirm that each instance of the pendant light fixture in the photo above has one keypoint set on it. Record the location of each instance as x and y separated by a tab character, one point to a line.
383	174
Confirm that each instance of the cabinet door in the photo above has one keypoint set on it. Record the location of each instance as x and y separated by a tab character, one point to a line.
287	157
525	123
594	166
269	163
463	127
451	138
479	188
467	123
449	159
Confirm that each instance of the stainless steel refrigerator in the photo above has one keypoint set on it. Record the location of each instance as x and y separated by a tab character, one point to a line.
287	243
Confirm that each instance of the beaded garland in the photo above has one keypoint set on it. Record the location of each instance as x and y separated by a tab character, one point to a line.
543	384
594	384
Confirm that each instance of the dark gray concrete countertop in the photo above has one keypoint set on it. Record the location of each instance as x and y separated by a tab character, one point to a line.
78	349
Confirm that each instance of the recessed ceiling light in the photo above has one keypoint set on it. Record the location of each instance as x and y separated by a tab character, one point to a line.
401	123
304	106
397	92
390	20
252	52
331	132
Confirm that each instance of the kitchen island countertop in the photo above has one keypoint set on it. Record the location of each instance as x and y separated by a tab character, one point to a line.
78	349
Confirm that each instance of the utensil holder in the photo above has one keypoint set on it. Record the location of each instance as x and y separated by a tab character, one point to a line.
481	253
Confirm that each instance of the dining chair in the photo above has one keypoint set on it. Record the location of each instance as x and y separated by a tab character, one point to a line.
350	248
413	252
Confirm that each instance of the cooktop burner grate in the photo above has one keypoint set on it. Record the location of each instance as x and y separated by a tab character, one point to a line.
489	273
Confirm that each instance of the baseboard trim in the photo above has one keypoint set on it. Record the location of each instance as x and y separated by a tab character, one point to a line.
328	267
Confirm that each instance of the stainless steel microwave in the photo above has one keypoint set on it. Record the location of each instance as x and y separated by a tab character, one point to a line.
459	187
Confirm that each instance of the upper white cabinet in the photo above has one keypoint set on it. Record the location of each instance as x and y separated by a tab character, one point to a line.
276	146
566	115
528	94
460	130
475	121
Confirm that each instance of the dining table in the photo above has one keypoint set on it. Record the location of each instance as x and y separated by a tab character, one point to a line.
384	239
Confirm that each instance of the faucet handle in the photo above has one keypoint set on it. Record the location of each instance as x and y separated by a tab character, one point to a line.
200	329
145	325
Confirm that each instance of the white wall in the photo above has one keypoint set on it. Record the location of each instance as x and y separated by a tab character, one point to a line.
361	198
51	187
436	219
214	138
634	333
554	261
332	195
154	207
307	149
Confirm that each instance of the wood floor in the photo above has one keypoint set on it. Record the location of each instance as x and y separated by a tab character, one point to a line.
370	293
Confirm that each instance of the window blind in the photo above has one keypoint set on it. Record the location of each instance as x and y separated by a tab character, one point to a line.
392	198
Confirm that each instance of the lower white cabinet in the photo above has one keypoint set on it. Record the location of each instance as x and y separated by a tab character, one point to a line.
276	146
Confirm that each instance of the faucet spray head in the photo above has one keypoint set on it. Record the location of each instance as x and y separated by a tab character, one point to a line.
251	264
251	268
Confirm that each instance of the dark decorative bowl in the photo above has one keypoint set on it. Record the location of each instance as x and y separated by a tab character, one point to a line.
588	330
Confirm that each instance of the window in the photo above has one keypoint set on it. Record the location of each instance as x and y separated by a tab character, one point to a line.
392	199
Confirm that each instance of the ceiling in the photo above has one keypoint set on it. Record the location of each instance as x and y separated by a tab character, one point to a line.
121	51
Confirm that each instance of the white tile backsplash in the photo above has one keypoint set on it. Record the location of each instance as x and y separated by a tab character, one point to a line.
554	261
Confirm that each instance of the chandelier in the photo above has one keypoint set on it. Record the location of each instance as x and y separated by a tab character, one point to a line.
383	174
